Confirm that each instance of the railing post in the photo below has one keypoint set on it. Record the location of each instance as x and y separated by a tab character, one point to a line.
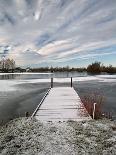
52	82
71	81
94	110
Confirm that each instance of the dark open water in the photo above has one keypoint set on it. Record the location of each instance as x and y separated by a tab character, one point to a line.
22	93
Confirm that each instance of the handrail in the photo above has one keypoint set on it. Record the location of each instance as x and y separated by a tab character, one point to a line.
40	103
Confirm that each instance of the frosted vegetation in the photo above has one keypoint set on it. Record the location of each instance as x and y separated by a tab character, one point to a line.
29	137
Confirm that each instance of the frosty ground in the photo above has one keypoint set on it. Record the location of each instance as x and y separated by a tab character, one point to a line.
26	136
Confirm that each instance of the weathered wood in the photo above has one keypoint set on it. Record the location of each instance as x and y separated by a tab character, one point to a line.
71	81
40	103
51	82
62	104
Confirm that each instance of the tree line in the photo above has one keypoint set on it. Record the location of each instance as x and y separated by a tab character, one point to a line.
57	69
7	65
96	67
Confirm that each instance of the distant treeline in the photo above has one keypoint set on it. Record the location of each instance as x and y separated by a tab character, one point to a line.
95	67
57	69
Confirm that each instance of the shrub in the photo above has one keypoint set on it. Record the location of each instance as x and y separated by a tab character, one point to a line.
94	67
89	100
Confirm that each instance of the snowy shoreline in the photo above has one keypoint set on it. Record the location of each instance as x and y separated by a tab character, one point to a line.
28	136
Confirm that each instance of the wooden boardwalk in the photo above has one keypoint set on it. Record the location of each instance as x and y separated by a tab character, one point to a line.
62	104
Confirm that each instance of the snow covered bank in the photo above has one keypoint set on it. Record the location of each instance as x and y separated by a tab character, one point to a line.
30	137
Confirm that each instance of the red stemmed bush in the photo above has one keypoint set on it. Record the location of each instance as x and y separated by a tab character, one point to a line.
89	100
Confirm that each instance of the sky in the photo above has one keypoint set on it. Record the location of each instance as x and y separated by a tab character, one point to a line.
58	32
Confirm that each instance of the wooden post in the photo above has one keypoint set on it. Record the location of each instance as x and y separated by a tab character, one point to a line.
71	81
26	114
52	82
94	110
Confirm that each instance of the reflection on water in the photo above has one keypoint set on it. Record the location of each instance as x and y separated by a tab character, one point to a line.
8	76
42	76
23	76
70	74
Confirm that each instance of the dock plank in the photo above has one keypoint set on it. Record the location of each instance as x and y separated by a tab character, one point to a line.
62	104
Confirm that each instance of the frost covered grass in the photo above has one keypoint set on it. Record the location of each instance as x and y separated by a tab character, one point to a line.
25	136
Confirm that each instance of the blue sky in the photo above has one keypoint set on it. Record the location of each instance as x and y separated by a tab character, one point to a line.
58	32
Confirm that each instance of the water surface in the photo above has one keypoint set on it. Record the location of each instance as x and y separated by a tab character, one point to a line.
20	93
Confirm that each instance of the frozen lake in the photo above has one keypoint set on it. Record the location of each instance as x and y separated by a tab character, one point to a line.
20	93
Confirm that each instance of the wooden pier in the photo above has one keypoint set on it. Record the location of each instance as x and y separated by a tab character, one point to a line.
61	104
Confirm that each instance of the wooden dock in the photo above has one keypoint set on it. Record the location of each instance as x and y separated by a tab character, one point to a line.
61	104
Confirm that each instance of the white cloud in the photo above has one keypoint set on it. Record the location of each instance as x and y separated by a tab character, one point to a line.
59	30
